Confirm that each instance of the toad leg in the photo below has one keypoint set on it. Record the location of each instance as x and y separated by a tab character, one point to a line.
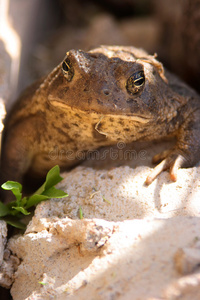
186	152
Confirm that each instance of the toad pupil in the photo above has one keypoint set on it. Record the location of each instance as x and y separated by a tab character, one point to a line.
65	66
138	78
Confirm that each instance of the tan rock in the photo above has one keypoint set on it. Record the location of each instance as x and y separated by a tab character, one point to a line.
97	259
105	255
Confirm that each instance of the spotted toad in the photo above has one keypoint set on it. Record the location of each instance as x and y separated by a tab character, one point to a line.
98	98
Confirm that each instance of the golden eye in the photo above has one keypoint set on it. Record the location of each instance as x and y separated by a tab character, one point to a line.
67	69
135	82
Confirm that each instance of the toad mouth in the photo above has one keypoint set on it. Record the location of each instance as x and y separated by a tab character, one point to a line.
133	117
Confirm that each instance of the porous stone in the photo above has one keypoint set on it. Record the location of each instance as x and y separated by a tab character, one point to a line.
97	259
6	274
104	254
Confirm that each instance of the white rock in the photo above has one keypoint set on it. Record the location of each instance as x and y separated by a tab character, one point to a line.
97	259
102	256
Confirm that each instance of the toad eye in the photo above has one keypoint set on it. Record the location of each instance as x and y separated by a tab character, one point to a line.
135	82
67	69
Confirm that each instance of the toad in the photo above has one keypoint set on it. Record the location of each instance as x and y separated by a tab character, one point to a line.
98	98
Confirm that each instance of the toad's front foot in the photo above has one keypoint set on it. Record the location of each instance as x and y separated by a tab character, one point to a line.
172	162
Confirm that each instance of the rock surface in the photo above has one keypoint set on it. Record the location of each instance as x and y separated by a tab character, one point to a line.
153	255
5	273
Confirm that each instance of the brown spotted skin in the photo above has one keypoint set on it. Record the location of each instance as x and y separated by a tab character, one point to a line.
91	106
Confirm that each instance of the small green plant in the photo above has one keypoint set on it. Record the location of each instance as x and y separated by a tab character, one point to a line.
42	283
15	210
80	213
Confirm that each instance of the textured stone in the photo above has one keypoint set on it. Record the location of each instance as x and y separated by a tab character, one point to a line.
105	255
97	259
6	273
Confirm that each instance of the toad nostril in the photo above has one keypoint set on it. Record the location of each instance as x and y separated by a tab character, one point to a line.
106	92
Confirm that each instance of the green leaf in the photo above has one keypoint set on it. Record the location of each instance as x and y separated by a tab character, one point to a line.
9	185
35	199
53	177
14	210
42	283
13	221
4	210
80	213
54	193
15	187
40	190
11	204
22	210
